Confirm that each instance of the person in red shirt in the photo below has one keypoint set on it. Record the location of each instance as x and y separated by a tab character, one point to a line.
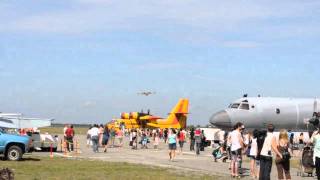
181	137
69	137
197	137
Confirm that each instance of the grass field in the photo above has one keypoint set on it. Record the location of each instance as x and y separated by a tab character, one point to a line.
59	130
38	168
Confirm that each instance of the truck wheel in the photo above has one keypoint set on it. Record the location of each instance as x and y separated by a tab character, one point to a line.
14	153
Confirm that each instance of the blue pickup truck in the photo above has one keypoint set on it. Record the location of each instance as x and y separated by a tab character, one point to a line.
13	146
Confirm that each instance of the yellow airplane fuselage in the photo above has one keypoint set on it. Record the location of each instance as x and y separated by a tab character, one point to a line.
177	119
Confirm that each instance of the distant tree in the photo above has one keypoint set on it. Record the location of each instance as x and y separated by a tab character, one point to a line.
190	127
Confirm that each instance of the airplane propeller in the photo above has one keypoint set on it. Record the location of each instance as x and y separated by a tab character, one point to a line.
315	117
314	121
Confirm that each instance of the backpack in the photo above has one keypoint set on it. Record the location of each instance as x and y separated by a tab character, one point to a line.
249	148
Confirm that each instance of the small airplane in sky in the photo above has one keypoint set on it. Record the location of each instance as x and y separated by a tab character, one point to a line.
177	118
146	93
17	121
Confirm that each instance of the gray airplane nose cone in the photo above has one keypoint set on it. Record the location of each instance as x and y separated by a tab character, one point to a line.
221	119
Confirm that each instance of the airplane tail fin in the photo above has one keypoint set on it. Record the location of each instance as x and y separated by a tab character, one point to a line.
178	115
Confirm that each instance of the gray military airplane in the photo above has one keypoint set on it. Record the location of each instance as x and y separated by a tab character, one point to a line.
256	112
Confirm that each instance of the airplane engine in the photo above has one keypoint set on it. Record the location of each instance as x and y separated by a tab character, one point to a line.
125	115
134	115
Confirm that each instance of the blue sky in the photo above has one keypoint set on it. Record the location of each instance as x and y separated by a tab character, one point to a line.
85	60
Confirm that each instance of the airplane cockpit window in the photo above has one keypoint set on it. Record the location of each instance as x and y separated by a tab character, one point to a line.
244	106
234	105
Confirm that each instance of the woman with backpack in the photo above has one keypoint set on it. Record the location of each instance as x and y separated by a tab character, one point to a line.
283	163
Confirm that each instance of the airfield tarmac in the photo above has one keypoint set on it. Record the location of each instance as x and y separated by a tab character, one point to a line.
188	162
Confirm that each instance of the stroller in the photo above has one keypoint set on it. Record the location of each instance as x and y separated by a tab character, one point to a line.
306	162
219	154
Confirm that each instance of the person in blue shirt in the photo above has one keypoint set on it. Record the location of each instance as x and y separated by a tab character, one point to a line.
172	140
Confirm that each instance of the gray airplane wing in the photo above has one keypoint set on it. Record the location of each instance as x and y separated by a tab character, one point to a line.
6	123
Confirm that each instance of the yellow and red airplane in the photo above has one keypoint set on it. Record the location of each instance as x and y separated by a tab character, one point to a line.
177	118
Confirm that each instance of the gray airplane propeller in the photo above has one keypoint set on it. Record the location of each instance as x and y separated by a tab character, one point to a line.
315	117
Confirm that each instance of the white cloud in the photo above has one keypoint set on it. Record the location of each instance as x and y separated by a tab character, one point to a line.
89	104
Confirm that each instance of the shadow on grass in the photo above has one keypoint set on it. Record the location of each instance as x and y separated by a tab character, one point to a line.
30	159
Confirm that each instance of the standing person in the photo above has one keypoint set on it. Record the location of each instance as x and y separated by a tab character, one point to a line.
161	134
181	137
269	145
197	137
120	137
192	140
172	140
135	139
165	135
236	146
315	139
144	140
69	137
105	138
203	141
131	138
156	140
228	144
291	141
101	129
95	138
283	164
301	143
112	136
254	171
89	143
64	132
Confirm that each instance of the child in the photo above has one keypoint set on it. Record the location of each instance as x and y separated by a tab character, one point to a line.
144	141
156	140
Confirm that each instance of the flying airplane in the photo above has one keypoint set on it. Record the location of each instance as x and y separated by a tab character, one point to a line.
146	93
17	121
177	118
257	112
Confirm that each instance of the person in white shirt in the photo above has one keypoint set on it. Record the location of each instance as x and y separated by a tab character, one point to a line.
64	132
89	143
94	134
315	139
269	146
236	148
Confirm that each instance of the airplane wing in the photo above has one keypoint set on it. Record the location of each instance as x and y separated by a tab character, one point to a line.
5	123
149	118
17	122
33	122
